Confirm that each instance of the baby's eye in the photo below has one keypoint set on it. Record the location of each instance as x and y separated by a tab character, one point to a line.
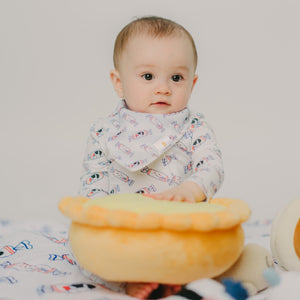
148	76
177	78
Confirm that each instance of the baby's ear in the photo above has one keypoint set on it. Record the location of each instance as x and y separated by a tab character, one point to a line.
194	81
116	81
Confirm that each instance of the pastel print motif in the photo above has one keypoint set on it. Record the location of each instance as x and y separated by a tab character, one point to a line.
160	176
188	168
213	186
138	163
203	162
99	132
195	123
116	189
147	190
156	122
65	288
155	174
55	240
8	279
176	126
57	257
111	138
122	176
9	250
94	192
130	119
124	149
116	123
44	269
199	141
95	177
181	146
149	150
97	154
168	159
140	134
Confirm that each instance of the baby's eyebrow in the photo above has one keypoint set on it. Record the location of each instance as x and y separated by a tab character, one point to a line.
184	68
144	66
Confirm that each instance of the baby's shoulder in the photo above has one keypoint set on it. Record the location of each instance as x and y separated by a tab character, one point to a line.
97	127
197	119
196	113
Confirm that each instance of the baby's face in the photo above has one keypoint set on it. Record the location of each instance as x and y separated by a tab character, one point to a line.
156	75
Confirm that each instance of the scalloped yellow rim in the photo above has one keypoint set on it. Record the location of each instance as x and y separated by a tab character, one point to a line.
219	213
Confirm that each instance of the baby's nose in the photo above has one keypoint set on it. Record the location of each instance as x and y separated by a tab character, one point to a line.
163	88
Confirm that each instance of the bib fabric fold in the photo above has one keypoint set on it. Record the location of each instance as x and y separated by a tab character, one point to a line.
136	139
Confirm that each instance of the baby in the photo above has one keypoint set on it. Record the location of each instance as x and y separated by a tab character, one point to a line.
152	143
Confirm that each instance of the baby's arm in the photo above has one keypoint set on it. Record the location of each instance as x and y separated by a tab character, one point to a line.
207	173
187	191
94	179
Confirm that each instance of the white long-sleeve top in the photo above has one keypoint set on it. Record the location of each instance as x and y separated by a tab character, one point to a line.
130	152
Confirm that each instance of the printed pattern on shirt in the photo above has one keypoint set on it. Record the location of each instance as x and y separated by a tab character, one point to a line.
128	152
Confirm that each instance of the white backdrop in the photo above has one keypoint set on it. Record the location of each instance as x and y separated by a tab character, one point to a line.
55	58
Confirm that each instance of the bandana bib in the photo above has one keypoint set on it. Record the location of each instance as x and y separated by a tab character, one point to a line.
136	139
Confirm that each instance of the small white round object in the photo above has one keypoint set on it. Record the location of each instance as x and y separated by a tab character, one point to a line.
285	237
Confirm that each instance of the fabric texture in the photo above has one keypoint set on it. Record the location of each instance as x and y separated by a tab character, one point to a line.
130	152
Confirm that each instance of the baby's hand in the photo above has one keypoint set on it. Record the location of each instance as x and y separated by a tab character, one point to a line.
188	191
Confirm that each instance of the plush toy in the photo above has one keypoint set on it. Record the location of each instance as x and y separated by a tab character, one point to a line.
285	236
250	267
129	237
211	290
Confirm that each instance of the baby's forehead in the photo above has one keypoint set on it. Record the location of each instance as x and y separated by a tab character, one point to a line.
147	42
150	35
146	51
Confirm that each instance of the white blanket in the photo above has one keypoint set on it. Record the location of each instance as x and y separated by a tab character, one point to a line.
37	263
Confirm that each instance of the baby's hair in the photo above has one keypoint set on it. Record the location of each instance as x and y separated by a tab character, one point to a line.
153	26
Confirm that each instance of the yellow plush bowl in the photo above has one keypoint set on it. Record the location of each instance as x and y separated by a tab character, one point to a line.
129	237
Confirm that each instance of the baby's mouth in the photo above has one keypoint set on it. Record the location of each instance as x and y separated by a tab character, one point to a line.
161	103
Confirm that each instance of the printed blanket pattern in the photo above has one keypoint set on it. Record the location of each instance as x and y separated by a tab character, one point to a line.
37	263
